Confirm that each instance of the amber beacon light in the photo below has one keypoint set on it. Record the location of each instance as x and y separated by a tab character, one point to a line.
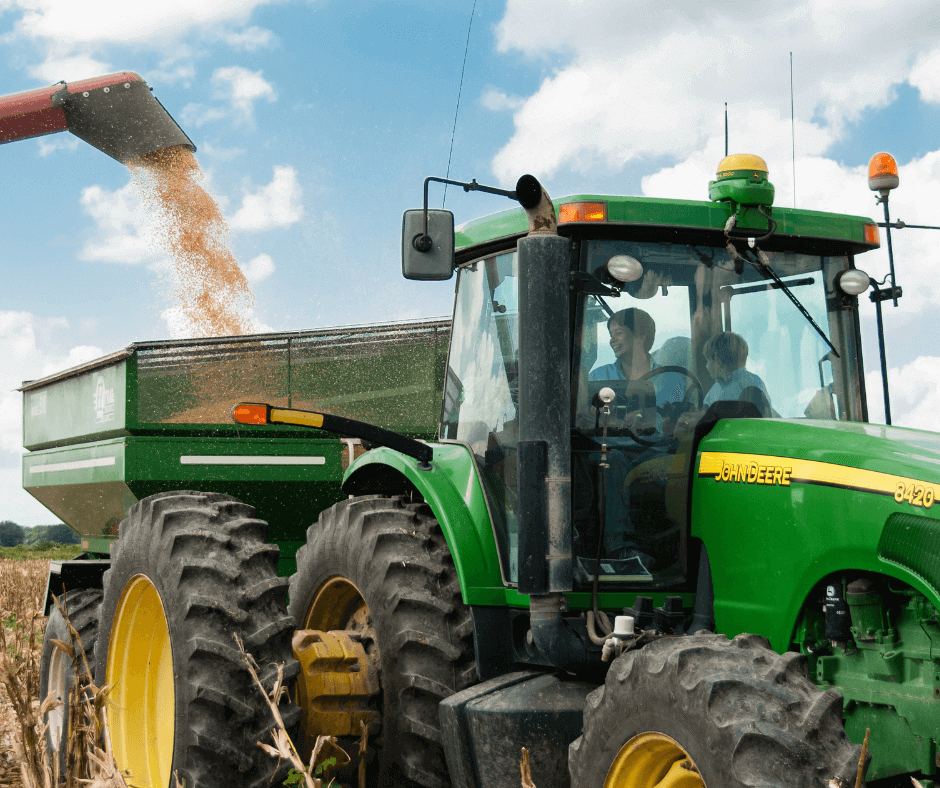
883	173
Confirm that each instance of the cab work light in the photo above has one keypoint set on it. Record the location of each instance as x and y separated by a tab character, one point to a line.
582	212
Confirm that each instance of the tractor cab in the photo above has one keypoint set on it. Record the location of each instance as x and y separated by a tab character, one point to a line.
674	306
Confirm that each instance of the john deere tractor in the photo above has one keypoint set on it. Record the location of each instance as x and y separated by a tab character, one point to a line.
651	537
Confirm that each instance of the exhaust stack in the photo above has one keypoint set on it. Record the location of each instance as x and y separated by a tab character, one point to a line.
117	114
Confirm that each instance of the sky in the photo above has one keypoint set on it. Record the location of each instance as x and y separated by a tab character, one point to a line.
316	122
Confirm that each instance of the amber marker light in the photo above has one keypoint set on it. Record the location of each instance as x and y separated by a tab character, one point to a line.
872	234
882	173
250	413
582	212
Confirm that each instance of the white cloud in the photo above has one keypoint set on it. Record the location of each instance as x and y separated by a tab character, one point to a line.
620	95
123	227
242	88
52	143
925	75
496	100
275	205
67	23
258	268
249	39
198	115
915	394
70	68
30	348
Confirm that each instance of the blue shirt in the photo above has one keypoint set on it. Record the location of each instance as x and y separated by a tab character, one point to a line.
731	390
664	385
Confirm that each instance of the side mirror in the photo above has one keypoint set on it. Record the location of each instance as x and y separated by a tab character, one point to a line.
437	261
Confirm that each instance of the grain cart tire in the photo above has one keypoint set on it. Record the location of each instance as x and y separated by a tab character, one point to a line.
189	572
56	671
380	569
741	713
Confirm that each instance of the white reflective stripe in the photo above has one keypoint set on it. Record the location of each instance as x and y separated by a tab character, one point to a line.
236	459
75	465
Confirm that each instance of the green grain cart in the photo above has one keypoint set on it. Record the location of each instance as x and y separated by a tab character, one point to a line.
651	426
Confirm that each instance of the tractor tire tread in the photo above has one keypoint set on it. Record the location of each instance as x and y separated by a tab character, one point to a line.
397	556
746	715
200	552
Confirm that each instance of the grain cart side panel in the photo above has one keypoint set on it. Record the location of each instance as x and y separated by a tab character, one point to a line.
85	404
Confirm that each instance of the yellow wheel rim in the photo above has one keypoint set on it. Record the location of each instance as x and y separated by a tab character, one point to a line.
653	760
140	713
338	604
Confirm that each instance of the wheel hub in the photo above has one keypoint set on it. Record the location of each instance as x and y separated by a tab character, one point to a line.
336	683
653	760
338	686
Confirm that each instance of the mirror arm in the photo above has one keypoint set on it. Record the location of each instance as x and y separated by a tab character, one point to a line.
423	242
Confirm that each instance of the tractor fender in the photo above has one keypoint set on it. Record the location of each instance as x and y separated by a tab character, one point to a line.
451	487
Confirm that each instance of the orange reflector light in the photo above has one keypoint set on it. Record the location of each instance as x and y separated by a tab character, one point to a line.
872	236
247	413
583	212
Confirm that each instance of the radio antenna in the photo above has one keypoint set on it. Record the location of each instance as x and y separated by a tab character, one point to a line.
792	131
463	68
726	129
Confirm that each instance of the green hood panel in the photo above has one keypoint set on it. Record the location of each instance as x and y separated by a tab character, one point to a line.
782	504
896	451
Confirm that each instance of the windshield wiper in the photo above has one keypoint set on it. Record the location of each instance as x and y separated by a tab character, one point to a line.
763	267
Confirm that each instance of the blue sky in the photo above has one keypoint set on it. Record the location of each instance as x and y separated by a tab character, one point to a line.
316	122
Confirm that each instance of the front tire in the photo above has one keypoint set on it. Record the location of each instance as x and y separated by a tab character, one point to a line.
706	712
190	571
380	569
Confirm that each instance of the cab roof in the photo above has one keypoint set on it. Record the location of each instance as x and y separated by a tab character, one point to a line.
654	215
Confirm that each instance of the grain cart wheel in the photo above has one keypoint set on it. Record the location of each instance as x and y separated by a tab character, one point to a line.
706	712
378	573
56	671
189	571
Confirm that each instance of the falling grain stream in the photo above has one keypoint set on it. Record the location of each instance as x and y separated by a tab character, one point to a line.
211	291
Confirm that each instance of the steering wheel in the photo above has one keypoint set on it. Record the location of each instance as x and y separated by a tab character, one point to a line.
670	410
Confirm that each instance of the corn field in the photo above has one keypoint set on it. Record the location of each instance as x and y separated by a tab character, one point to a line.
24	759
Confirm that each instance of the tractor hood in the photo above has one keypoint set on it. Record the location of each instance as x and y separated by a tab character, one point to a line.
831	452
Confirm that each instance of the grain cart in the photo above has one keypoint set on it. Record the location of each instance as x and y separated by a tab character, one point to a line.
154	417
458	604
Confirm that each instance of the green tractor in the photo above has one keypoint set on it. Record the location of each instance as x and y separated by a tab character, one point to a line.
653	540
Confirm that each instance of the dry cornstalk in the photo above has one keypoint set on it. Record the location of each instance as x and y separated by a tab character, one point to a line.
526	770
284	748
861	760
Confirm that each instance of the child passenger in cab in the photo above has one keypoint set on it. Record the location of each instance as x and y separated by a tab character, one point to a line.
726	354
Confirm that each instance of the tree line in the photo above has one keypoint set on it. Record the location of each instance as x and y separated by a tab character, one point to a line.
12	534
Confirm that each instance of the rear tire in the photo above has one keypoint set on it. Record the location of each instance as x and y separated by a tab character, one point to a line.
190	571
395	556
745	715
56	670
